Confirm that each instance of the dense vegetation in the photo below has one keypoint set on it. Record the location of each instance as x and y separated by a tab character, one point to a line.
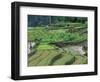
36	20
45	35
54	37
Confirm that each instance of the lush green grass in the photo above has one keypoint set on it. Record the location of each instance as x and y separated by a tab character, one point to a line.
54	35
45	46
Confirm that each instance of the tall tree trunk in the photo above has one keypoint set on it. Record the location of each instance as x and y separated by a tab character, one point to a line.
50	20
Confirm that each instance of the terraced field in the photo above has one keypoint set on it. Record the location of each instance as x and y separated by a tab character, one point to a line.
58	45
52	57
57	40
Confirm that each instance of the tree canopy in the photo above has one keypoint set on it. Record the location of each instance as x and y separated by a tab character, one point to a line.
38	20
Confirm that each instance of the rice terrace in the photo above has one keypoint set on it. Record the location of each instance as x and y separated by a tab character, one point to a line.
57	40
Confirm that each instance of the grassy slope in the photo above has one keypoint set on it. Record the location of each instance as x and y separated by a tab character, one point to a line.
44	56
55	57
